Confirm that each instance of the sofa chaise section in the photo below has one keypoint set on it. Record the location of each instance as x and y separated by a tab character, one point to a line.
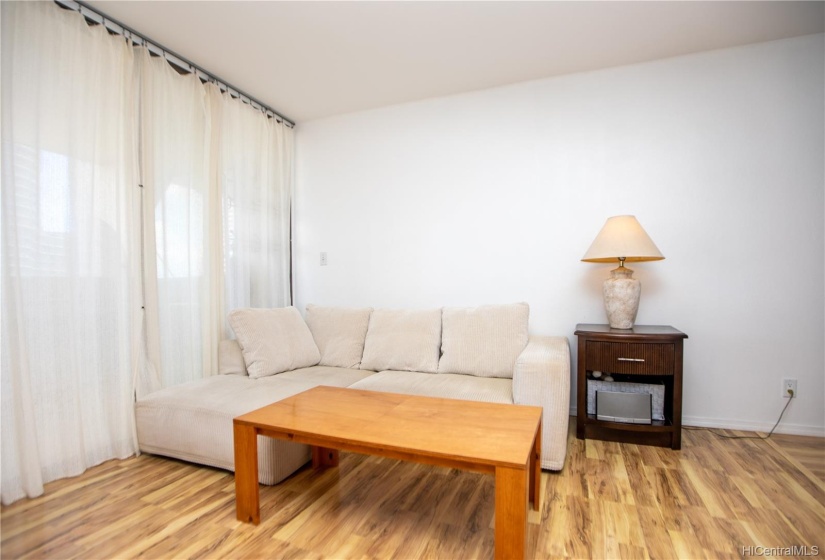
193	421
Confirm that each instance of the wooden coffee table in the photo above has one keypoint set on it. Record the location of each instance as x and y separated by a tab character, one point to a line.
499	439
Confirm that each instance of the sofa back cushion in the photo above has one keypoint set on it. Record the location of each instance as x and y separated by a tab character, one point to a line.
483	341
273	340
230	358
339	333
403	340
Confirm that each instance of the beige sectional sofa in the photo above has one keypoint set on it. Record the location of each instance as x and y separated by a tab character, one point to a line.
482	353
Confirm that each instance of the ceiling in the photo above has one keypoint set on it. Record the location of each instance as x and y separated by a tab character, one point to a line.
309	60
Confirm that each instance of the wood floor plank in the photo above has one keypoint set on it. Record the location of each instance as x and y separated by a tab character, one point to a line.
714	502
808	453
736	534
688	546
704	527
658	543
612	500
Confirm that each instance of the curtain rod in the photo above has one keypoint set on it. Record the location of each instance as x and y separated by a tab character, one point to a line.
113	26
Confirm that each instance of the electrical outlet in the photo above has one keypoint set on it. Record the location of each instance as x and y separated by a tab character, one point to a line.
323	258
789	385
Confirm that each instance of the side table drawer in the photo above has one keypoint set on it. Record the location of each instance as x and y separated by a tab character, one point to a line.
630	357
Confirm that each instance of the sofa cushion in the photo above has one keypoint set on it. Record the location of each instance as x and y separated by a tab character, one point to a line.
483	341
273	340
448	386
326	375
230	358
403	339
339	333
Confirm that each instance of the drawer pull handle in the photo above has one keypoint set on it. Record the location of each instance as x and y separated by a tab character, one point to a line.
631	359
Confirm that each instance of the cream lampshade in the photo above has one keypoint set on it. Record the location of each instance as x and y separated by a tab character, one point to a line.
622	239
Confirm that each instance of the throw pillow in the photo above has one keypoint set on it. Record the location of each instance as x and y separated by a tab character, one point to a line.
483	341
339	333
273	340
403	340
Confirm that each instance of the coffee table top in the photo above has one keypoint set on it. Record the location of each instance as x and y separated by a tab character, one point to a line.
465	431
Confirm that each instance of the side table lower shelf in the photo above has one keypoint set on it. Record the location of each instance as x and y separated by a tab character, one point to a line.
659	433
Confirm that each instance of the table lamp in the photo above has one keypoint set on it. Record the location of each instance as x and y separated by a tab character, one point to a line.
622	239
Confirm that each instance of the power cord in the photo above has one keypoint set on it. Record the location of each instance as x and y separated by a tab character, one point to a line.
790	391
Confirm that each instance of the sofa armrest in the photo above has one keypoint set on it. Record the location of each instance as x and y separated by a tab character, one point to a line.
542	378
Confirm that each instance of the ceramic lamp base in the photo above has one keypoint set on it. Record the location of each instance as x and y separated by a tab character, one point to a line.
621	298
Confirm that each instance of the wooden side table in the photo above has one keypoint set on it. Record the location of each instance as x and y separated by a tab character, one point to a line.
646	354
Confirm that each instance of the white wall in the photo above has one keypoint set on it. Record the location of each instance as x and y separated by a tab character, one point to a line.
494	197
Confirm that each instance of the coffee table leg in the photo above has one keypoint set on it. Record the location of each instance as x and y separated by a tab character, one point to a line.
535	472
247	505
324	457
511	512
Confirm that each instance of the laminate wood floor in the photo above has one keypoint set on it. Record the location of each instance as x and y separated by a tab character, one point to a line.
808	452
612	500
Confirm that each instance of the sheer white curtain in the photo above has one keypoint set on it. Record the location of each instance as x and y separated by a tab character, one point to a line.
217	178
180	196
256	177
84	248
70	258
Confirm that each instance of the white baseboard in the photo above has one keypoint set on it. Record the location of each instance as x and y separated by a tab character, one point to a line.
728	424
783	428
